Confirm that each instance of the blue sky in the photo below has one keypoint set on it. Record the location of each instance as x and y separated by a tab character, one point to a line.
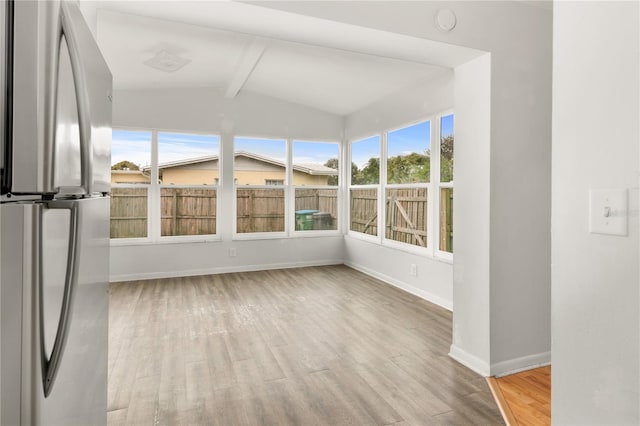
314	152
364	149
416	138
174	146
135	146
447	125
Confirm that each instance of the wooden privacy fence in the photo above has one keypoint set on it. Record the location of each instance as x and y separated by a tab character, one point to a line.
406	219
260	210
364	210
187	211
406	214
128	212
446	219
184	211
192	211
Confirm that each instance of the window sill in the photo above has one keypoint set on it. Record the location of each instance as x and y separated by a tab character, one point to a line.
163	240
417	251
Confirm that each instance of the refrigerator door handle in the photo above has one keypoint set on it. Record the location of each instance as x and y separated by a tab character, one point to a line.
51	365
82	94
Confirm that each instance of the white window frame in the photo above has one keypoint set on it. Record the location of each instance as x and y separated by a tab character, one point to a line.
293	187
436	207
134	240
433	191
239	236
349	186
200	237
412	248
153	196
138	240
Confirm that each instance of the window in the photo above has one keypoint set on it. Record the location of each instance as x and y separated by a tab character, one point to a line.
408	167
363	192
315	178
415	177
188	170
130	178
445	230
260	206
175	197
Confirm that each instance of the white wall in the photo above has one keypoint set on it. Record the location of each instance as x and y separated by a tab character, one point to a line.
472	214
435	276
134	262
518	36
205	110
595	310
433	280
412	104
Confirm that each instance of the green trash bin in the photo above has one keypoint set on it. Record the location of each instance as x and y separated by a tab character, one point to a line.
304	220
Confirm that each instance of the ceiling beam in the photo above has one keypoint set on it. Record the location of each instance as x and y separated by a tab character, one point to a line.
246	64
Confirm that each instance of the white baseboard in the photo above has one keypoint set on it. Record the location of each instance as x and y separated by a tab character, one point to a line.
470	361
220	270
430	297
516	365
499	369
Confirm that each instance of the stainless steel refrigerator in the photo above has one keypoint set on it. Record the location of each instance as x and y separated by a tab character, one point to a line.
54	213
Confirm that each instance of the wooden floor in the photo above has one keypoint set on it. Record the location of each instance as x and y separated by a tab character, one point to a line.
308	346
525	398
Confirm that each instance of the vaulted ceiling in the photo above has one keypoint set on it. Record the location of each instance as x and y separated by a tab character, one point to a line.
240	48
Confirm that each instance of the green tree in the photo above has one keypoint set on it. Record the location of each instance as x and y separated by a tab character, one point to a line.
409	168
333	164
369	174
446	159
125	165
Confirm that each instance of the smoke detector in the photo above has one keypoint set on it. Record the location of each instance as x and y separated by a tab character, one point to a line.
167	62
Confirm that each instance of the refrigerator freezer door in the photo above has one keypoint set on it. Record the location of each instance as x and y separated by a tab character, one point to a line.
61	103
99	83
67	170
78	394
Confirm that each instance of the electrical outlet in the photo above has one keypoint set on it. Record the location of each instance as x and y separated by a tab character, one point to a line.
414	270
232	252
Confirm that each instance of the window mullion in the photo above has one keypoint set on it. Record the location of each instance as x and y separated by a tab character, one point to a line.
289	191
154	191
434	190
382	196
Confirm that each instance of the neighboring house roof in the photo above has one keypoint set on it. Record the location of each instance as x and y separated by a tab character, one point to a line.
308	168
127	172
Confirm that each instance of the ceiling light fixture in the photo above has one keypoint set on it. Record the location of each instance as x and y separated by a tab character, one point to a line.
167	62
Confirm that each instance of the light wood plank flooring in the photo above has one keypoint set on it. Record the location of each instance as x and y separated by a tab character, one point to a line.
307	346
525	398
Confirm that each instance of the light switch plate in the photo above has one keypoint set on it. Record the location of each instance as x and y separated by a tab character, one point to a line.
608	211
